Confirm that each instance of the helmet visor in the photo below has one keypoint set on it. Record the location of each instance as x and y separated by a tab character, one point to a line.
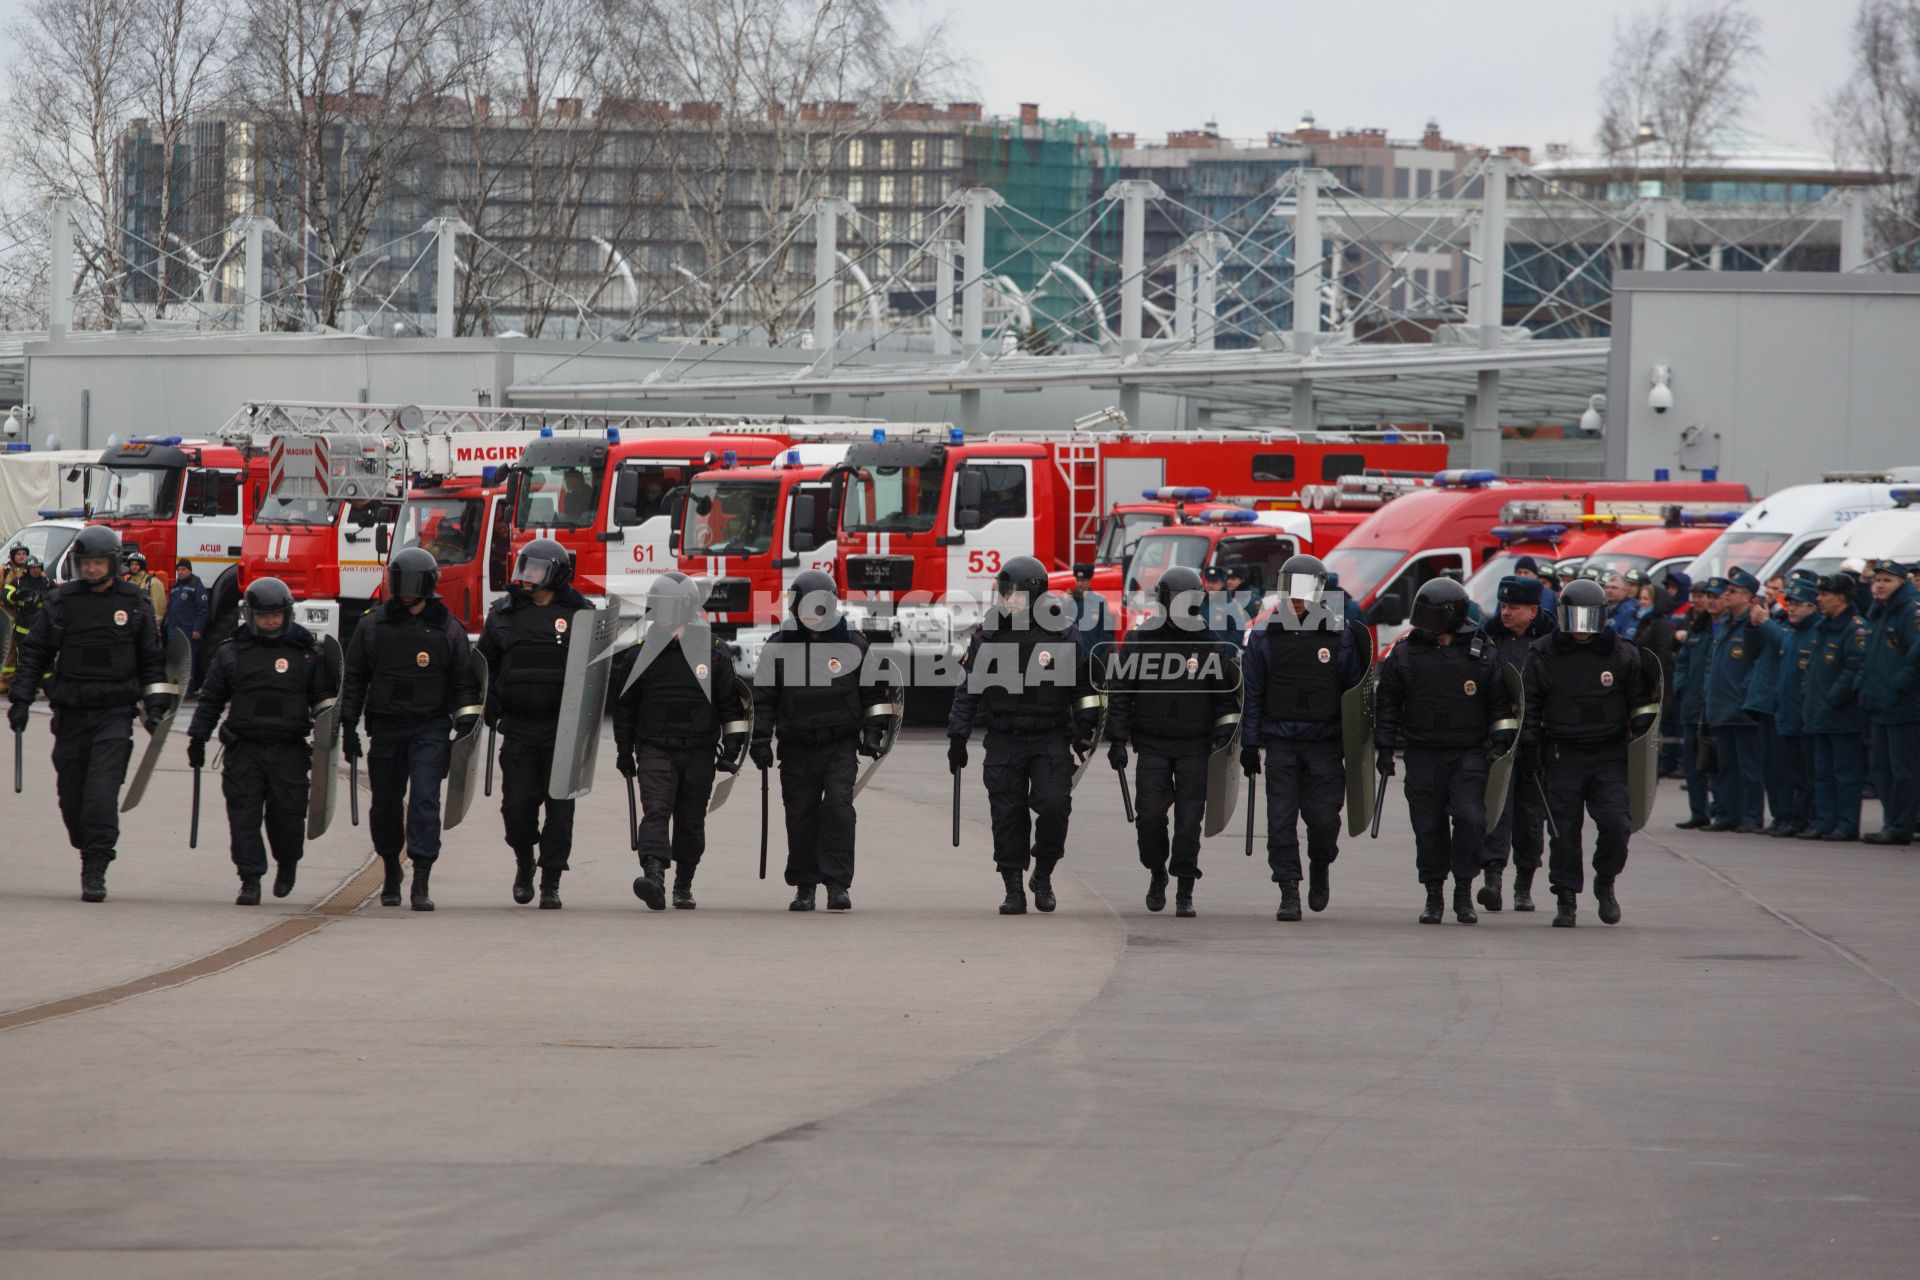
1583	619
1430	617
1305	587
816	610
412	583
534	571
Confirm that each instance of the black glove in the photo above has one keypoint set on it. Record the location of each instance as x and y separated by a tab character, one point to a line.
157	705
1250	760
623	761
1222	737
196	753
956	754
17	715
733	750
1383	761
1642	723
1500	741
350	743
462	725
492	715
873	739
1117	756
761	753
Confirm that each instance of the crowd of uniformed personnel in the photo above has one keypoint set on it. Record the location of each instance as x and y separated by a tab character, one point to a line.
1513	729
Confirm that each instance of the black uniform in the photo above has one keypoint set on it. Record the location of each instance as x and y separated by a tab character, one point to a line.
808	691
1581	701
268	686
101	648
1171	691
1443	701
525	645
672	728
1033	689
1520	827
411	674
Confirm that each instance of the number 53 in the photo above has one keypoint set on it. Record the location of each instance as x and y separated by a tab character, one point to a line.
983	562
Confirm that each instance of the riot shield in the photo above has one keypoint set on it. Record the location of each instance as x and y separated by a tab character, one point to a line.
463	764
322	775
593	639
1223	779
1500	770
1098	701
179	666
1356	738
740	708
896	714
1643	751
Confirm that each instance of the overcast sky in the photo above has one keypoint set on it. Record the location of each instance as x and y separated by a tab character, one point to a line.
1495	72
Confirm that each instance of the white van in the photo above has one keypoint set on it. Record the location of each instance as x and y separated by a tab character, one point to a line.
1878	535
1779	531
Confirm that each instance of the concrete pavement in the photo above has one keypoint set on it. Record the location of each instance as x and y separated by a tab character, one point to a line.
1727	1084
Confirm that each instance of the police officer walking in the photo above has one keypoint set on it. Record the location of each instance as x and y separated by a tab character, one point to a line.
812	691
1299	660
96	638
410	670
1518	828
1026	676
268	678
667	724
1441	692
1173	697
1890	692
525	645
1586	692
1834	720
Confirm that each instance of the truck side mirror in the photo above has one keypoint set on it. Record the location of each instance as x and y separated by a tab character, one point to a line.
626	498
972	495
806	507
381	541
1389	610
676	512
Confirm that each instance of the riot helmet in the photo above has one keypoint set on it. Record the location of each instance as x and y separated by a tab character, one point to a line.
97	543
1303	578
813	601
1439	607
412	574
673	600
1583	607
1182	597
542	565
266	598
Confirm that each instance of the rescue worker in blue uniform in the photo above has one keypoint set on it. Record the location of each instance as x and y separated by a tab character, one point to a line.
1890	692
1587	693
409	668
187	604
1768	636
672	732
1790	761
96	639
1519	828
1690	703
525	642
817	701
1299	660
1026	677
1737	645
1174	697
1442	695
268	678
1834	720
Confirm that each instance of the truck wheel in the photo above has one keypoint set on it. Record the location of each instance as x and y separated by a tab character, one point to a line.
929	706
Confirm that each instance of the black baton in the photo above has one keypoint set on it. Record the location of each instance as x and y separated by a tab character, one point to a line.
1250	796
763	824
633	820
353	790
1546	811
956	808
193	823
19	749
488	788
1126	795
1379	803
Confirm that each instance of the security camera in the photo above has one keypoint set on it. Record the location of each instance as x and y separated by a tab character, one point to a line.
1591	421
1660	399
13	424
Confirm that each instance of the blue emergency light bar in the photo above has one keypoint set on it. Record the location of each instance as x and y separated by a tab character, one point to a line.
19	446
489	475
1462	479
546	433
793	457
730	458
1699	519
1535	532
1232	515
1904	497
879	435
613	435
1177	493
166	440
955	435
63	513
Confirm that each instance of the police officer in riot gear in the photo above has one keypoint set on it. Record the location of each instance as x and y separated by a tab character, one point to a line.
667	725
1441	693
812	691
1518	829
268	678
1299	660
1173	696
1026	676
96	638
1587	693
410	669
525	645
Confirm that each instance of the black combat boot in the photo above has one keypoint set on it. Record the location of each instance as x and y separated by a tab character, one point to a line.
683	888
1569	908
1436	907
283	877
390	886
1289	902
249	892
1042	886
93	879
1183	899
650	886
1609	905
1523	888
422	872
1463	902
1489	894
1016	903
549	888
802	897
1318	888
523	876
1157	891
838	899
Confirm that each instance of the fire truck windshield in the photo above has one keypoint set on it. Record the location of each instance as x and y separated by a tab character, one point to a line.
561	497
308	511
1154	556
1123	530
731	517
897	500
1362	569
448	527
138	493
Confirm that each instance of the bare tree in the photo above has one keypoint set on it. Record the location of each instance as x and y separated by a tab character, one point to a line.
1875	122
179	69
1677	84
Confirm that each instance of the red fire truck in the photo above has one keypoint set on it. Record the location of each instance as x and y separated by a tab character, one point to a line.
1563	531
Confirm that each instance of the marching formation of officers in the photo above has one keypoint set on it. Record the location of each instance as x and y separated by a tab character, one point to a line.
1510	729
